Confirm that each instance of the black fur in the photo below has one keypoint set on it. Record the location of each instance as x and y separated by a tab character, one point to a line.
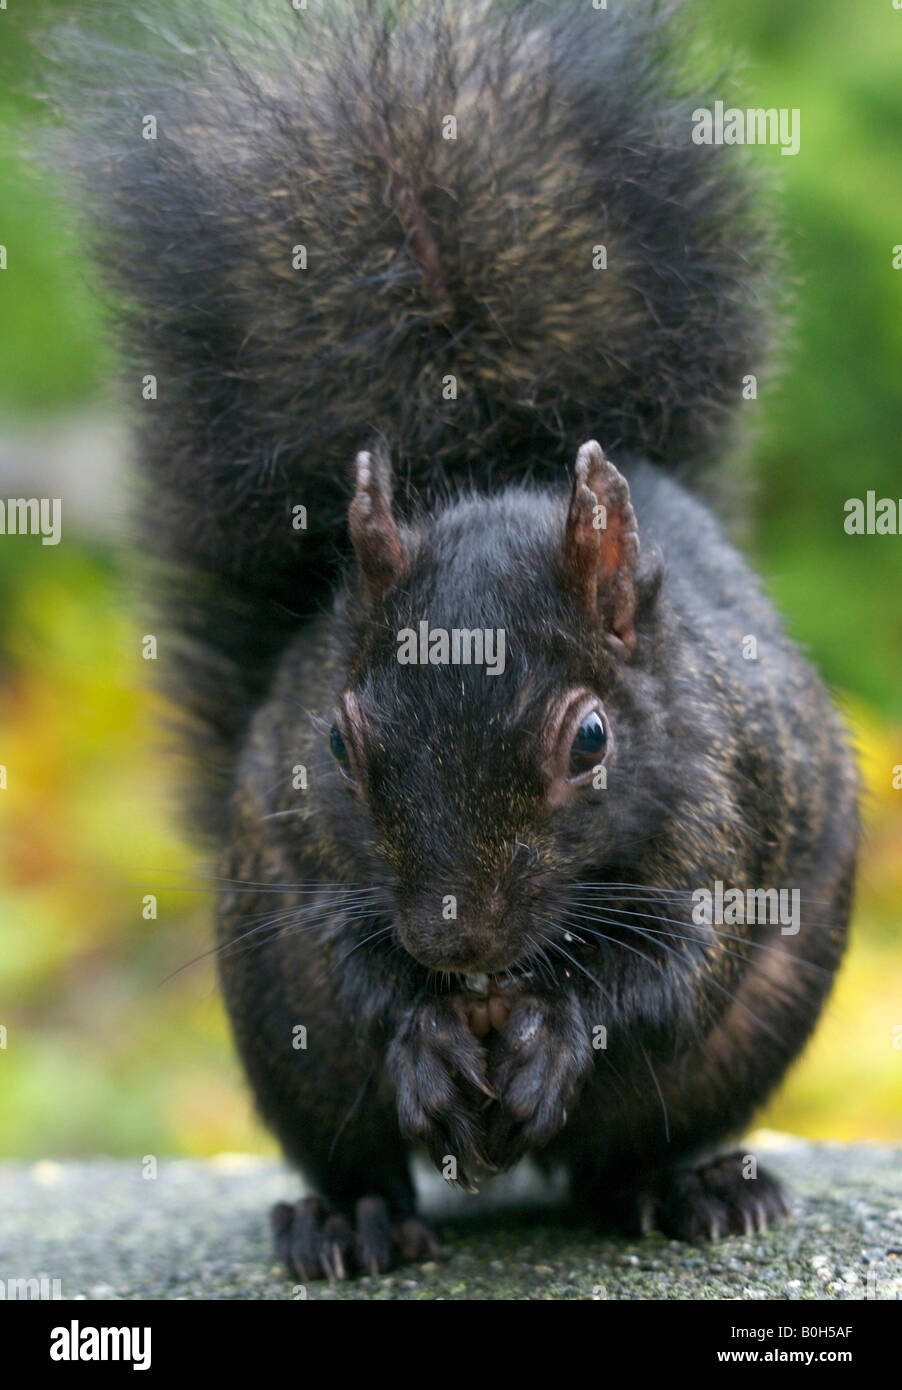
474	258
722	769
426	257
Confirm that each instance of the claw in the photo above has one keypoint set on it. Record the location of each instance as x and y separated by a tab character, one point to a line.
335	1265
471	1073
647	1215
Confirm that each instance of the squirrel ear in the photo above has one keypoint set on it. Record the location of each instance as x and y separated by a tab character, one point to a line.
601	545
374	531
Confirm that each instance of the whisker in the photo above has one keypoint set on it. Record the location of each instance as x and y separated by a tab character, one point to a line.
381	931
660	1093
716	985
614	942
717	936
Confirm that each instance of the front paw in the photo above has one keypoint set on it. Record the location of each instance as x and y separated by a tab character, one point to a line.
537	1063
438	1069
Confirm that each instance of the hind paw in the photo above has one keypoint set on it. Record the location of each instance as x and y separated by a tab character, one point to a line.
314	1243
708	1202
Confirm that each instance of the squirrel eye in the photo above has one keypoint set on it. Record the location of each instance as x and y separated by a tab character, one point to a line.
337	744
577	739
590	744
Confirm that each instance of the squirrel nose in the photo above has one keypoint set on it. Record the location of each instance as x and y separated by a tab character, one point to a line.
485	913
458	932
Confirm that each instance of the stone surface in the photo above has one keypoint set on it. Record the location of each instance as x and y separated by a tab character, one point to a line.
199	1230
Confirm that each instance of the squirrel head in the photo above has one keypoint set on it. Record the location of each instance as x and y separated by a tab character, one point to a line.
495	657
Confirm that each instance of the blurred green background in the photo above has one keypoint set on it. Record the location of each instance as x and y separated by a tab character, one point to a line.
115	1037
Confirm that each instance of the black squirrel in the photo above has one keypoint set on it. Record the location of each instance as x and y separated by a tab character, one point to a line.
461	244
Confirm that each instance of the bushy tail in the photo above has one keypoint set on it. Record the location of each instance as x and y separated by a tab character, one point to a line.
481	230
